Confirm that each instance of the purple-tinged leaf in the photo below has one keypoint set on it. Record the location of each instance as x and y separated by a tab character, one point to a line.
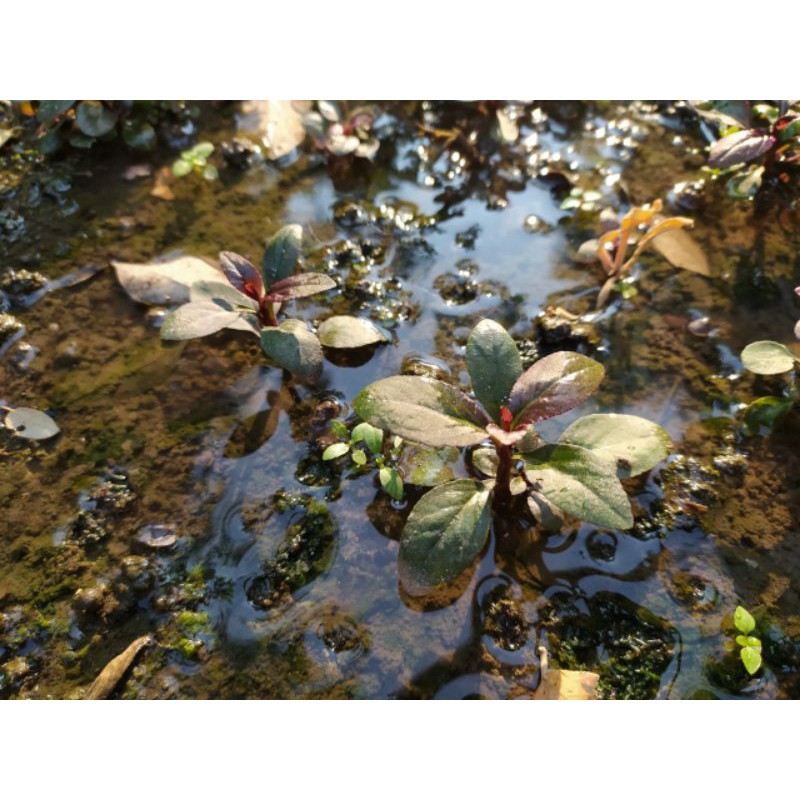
553	385
739	148
423	410
303	285
242	274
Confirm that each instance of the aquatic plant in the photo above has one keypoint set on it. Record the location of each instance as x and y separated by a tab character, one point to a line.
338	131
195	159
639	226
771	358
756	141
253	300
373	453
81	123
577	476
750	646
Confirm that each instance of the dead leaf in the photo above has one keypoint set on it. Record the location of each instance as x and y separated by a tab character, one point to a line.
678	247
165	282
162	188
277	124
115	670
565	684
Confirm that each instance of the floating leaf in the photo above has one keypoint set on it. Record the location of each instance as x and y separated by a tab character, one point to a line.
344	331
31	423
739	148
766	412
553	385
282	251
631	444
423	410
444	533
115	670
297	286
293	347
494	365
335	451
193	320
277	124
767	358
164	282
580	483
94	119
392	482
743	620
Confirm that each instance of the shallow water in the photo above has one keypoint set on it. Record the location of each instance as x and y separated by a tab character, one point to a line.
225	450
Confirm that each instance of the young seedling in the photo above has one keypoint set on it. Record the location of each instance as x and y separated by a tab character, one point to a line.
195	159
340	132
771	358
577	476
760	140
373	453
253	300
750	646
639	226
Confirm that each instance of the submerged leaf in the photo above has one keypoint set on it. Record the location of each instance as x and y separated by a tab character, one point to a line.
766	412
678	247
579	483
347	332
423	410
767	358
30	423
494	364
444	533
632	444
553	385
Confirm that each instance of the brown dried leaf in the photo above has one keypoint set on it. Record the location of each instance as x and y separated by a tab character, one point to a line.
678	247
162	186
277	124
567	684
115	670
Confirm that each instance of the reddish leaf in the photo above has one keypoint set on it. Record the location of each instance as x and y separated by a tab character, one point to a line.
242	275
302	285
739	148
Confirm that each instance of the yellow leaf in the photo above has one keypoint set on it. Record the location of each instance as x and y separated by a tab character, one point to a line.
565	684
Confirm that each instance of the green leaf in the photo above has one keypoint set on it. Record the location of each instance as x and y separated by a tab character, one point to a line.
48	110
138	135
200	152
335	451
743	620
359	457
632	444
370	435
485	460
751	658
765	413
293	347
80	140
303	285
192	320
281	254
181	167
94	119
210	172
391	482
444	533
423	410
748	641
30	423
767	358
553	385
424	466
494	365
339	428
580	483
222	292
344	331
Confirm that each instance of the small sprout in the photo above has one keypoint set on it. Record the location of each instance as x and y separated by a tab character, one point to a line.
750	651
195	159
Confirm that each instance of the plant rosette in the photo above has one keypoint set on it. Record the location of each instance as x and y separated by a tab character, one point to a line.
578	476
254	300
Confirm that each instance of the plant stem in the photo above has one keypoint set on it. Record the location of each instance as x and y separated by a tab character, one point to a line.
502	489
